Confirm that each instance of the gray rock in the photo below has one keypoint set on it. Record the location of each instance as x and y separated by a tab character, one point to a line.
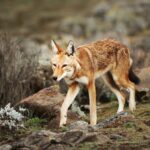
5	147
140	51
113	121
42	77
143	89
71	137
78	136
76	109
46	102
45	55
100	10
102	139
38	140
48	140
42	51
144	75
78	125
94	137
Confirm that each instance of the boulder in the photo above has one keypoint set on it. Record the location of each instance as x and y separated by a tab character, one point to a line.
141	51
143	89
46	102
144	75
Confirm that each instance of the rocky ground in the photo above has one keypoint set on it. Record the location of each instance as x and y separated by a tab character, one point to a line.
35	23
123	131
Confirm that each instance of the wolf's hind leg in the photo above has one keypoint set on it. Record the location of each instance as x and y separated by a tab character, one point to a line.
108	79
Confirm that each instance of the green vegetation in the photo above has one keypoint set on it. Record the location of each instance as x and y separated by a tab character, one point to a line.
64	129
130	125
35	123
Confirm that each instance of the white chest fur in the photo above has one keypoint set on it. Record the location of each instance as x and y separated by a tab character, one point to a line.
83	80
68	81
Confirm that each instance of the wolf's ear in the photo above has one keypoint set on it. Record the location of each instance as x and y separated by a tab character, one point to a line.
70	48
55	48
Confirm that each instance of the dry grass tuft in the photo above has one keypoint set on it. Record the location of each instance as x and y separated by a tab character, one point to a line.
17	68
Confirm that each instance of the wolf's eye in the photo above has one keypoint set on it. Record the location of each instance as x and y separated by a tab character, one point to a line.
54	65
64	65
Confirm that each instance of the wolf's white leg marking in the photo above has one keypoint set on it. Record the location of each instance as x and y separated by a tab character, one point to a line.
132	103
121	101
71	94
92	97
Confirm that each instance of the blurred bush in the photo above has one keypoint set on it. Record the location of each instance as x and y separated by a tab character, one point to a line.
17	68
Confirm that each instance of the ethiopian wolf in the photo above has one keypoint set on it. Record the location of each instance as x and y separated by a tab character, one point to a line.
108	59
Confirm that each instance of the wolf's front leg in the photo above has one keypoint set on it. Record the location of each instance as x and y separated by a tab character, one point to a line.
71	94
92	97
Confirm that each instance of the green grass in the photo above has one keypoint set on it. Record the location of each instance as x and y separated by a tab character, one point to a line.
35	123
64	129
31	124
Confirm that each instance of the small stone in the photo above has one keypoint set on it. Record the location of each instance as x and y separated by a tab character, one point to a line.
115	137
80	125
71	137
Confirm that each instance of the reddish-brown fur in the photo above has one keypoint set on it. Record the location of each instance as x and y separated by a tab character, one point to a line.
106	58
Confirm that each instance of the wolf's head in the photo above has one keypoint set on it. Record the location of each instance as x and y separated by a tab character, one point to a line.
63	62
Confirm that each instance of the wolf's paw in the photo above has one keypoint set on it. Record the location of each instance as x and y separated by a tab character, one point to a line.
63	122
132	106
120	111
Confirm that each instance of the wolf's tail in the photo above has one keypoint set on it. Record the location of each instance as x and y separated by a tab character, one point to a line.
133	77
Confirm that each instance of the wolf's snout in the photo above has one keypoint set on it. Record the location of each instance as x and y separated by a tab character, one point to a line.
54	78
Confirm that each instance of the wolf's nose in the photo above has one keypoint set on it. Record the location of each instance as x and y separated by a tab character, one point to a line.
54	78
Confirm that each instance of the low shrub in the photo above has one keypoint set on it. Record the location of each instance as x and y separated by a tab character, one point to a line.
10	118
17	69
